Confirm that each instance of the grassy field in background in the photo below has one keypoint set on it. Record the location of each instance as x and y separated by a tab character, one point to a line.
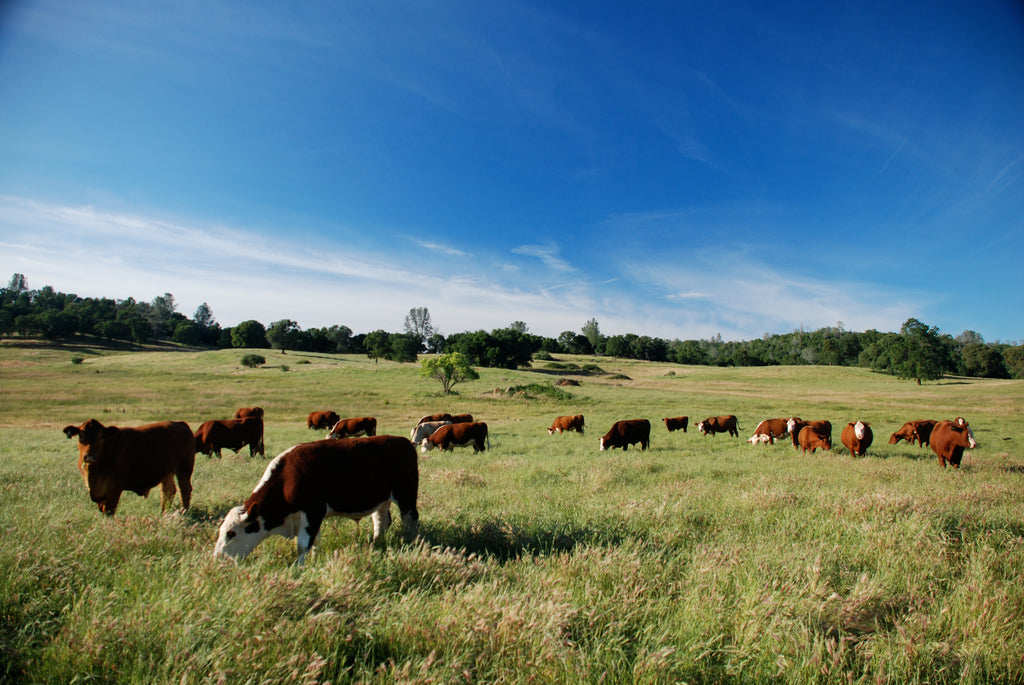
701	560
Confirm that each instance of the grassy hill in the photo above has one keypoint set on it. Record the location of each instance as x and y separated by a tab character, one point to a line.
700	560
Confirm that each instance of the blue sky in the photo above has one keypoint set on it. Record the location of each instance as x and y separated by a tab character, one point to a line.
674	169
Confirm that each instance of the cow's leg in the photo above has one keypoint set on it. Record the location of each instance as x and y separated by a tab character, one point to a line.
309	531
381	518
167	491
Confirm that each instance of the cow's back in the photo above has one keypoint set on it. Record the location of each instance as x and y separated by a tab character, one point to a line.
147	454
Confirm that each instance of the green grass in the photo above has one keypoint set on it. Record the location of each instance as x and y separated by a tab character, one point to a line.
702	560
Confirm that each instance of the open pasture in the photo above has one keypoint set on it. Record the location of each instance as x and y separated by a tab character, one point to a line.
701	560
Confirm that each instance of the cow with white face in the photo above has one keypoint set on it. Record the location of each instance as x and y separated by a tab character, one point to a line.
857	437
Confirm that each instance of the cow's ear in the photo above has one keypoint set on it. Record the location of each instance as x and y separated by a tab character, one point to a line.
253	526
70	431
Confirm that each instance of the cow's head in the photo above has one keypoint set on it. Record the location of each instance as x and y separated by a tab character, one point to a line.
966	435
701	425
860	429
239	534
426	445
93	456
602	444
791	425
337	431
895	438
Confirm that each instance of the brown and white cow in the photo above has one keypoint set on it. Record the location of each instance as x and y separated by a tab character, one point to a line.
921	431
322	419
719	424
450	418
561	424
627	432
857	437
233	434
769	431
949	439
812	438
112	460
246	412
425	429
458	435
823	427
354	427
677	423
312	481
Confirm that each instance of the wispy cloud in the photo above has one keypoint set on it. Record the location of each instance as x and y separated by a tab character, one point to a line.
547	254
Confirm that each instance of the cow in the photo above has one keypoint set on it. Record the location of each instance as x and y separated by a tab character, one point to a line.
213	436
627	432
461	418
246	412
112	460
311	481
812	438
949	439
719	424
921	431
451	418
351	428
458	435
322	419
677	423
795	425
769	431
567	423
857	437
425	429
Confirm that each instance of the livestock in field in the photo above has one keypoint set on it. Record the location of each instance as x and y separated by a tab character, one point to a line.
312	481
920	431
823	427
857	438
458	435
322	419
234	434
949	439
450	418
719	424
354	427
112	460
627	432
769	431
561	424
812	438
677	423
246	412
425	429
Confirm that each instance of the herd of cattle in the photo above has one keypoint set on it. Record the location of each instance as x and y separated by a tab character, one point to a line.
356	473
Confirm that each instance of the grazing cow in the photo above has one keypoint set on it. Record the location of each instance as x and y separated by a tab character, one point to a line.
677	423
112	460
769	431
812	438
567	423
246	412
949	439
351	428
234	434
309	482
795	425
921	431
628	432
458	435
425	429
322	419
456	418
857	437
719	424
461	418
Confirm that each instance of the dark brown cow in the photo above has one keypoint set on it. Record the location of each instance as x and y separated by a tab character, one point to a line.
461	418
677	423
567	423
769	431
322	419
949	439
453	435
921	431
351	428
719	424
451	418
628	432
246	412
822	427
309	482
811	438
233	434
112	460
857	437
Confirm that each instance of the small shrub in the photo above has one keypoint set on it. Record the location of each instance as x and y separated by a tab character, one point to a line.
253	360
543	356
77	360
284	367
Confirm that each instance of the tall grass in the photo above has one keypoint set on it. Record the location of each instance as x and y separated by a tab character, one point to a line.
701	560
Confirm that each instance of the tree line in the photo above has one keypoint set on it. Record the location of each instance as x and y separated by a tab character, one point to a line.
917	351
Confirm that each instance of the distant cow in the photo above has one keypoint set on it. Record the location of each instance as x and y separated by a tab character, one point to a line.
677	423
769	431
112	460
234	434
322	419
451	418
949	439
628	432
246	412
857	437
309	482
921	431
719	424
567	423
811	438
425	429
823	427
351	428
458	435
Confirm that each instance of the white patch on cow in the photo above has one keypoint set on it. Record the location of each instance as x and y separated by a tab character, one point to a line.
602	444
274	464
971	442
790	425
858	430
759	437
426	445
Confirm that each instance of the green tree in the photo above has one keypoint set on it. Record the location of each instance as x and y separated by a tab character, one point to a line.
449	369
377	344
284	335
417	324
1014	358
404	348
203	316
592	332
187	333
249	333
926	358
